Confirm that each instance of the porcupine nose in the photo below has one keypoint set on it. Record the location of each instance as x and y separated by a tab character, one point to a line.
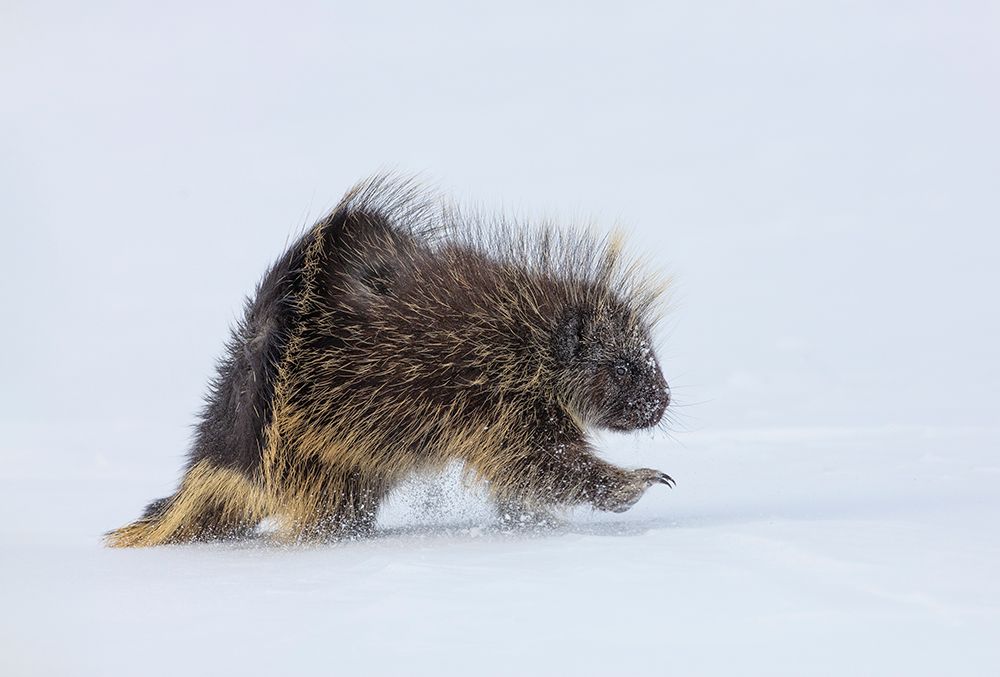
663	400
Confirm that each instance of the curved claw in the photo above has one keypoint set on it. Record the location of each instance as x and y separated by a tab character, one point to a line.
664	478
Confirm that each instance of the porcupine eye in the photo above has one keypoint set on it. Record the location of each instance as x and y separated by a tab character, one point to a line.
621	370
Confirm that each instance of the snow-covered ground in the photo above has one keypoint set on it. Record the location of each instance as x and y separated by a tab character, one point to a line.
821	179
798	551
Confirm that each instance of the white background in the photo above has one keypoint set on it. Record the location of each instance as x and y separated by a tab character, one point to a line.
820	178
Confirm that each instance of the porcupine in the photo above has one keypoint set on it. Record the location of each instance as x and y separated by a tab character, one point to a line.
395	337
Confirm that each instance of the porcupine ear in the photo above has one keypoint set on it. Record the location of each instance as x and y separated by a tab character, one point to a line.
566	342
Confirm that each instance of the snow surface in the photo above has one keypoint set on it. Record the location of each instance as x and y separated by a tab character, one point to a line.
865	551
820	178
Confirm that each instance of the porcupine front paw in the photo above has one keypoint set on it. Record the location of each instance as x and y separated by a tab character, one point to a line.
621	494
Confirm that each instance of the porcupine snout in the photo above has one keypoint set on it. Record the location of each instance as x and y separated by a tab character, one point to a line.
652	407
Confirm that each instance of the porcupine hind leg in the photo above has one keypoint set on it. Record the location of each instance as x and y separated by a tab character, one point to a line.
335	506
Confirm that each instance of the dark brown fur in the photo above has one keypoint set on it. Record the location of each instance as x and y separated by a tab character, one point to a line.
394	337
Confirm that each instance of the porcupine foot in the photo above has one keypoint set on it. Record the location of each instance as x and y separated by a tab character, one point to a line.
620	494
